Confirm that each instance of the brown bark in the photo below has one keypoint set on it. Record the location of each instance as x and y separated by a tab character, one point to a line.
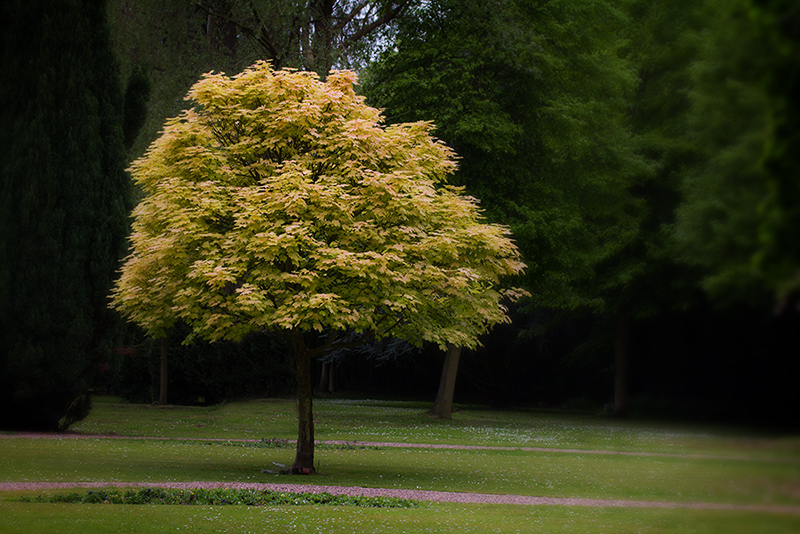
621	365
162	390
304	456
443	406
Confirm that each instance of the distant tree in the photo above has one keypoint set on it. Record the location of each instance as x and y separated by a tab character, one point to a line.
643	277
777	22
717	222
64	203
701	118
533	96
279	203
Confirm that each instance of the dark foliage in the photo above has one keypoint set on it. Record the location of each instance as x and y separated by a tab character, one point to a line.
209	373
732	365
63	208
137	93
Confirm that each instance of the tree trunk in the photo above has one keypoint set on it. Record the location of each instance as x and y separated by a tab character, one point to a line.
325	377
621	365
333	379
304	457
162	390
328	381
443	407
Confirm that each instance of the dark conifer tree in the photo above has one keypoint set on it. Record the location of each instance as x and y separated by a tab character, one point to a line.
63	207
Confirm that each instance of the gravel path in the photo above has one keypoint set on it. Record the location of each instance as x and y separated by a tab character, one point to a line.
419	495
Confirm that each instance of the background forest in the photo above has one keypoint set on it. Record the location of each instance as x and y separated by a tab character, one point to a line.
645	155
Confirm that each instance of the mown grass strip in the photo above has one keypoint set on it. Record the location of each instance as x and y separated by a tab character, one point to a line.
216	497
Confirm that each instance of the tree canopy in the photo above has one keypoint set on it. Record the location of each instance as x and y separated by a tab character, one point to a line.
533	97
717	223
280	203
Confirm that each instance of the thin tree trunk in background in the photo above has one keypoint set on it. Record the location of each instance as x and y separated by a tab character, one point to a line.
162	390
621	365
328	381
304	457
333	382
325	378
443	406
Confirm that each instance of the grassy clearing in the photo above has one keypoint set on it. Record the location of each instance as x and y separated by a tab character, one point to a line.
733	467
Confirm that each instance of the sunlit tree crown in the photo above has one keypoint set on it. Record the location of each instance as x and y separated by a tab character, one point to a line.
280	202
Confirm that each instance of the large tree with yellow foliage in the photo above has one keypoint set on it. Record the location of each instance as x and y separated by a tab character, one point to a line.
281	203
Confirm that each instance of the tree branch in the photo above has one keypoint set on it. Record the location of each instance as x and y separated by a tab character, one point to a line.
260	35
389	15
334	342
348	18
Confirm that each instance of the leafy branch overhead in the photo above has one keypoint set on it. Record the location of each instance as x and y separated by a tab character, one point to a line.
280	203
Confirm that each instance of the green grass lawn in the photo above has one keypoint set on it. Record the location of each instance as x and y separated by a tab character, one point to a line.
407	422
683	464
433	518
479	471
